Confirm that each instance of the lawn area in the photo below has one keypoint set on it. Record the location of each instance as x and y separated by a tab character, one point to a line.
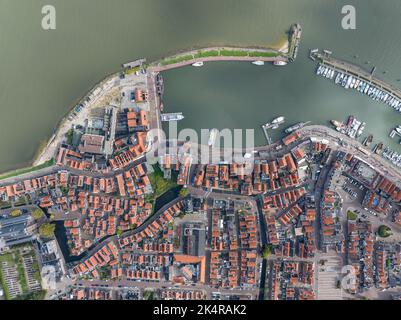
159	184
263	54
352	215
205	54
21	274
132	70
177	59
5	204
234	53
69	135
13	259
21	202
26	170
6	258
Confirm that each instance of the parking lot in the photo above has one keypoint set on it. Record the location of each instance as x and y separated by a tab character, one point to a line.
327	276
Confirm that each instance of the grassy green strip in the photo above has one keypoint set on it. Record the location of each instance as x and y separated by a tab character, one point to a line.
263	54
205	54
177	59
26	170
233	53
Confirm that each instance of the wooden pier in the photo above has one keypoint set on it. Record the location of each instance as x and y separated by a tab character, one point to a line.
268	139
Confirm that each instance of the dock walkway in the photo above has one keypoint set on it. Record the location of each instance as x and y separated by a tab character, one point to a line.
359	72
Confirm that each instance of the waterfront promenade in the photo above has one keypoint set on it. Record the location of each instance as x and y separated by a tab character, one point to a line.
352	146
275	56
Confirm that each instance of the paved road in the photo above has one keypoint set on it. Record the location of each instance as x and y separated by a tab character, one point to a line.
55	168
115	284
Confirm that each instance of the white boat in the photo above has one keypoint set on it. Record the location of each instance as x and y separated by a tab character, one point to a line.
171	116
212	137
278	120
258	63
279	63
198	64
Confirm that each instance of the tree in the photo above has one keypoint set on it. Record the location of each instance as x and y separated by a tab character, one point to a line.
16	213
352	215
148	295
267	251
37	214
119	232
184	192
46	230
384	231
69	135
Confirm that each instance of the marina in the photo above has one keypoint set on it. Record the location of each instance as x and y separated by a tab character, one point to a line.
353	128
353	77
392	156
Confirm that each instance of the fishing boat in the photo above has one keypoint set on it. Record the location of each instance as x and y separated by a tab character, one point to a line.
350	120
378	148
368	140
337	124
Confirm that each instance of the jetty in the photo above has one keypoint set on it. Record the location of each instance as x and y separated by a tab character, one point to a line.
268	139
231	53
394	133
211	54
294	41
271	125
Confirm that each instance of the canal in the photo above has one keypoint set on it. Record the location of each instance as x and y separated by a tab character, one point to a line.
167	197
61	235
